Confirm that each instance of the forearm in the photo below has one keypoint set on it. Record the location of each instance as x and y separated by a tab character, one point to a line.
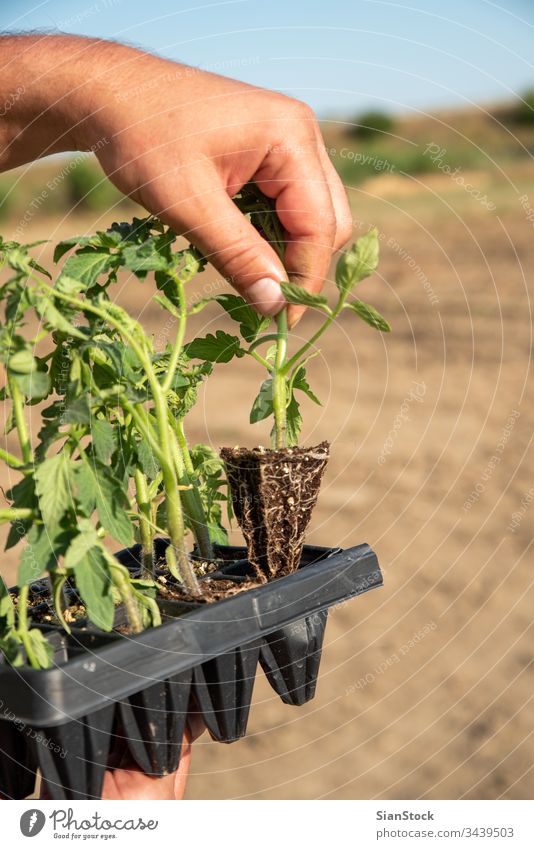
57	93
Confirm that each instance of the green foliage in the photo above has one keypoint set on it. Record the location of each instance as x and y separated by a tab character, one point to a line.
114	417
218	348
525	108
372	123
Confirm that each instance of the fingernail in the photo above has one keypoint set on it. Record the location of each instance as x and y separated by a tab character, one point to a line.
294	316
266	295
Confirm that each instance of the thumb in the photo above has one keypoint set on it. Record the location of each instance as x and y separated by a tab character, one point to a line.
228	240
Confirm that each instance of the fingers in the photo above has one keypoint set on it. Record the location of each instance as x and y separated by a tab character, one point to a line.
310	202
340	201
228	240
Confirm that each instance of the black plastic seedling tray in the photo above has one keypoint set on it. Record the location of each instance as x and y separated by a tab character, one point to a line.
140	689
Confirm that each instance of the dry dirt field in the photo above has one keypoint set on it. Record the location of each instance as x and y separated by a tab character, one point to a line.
426	687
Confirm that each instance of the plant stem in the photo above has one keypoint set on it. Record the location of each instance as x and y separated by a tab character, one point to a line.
180	336
311	342
279	382
191	498
145	523
10	459
10	514
121	578
175	517
22	626
20	421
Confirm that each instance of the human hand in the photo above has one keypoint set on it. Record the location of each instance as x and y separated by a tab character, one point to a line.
182	141
124	780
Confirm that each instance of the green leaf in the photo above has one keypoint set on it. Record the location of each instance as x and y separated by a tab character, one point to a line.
369	315
88	264
147	460
55	319
78	411
52	484
250	323
34	386
22	494
294	422
42	649
112	503
262	407
299	381
93	580
357	263
218	533
86	539
38	556
298	295
103	435
67	244
168	305
143	258
85	487
220	348
10	647
22	362
7	609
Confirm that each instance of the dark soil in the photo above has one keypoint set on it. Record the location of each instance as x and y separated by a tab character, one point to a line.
274	492
213	589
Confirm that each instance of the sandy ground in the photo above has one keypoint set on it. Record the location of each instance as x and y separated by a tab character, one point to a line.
426	685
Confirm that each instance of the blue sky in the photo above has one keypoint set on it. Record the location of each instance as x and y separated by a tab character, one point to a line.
339	56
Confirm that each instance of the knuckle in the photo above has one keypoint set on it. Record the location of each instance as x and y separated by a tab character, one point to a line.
240	260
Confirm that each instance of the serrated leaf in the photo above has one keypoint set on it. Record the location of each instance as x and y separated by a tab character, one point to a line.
369	315
85	488
52	485
86	539
93	580
103	435
88	264
294	422
112	503
298	295
262	407
143	258
148	461
67	244
358	262
57	320
38	556
250	322
42	649
220	348
300	381
78	411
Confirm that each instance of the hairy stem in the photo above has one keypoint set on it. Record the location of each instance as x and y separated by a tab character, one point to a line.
279	382
311	342
10	459
121	578
145	523
22	626
10	514
191	498
179	338
20	421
